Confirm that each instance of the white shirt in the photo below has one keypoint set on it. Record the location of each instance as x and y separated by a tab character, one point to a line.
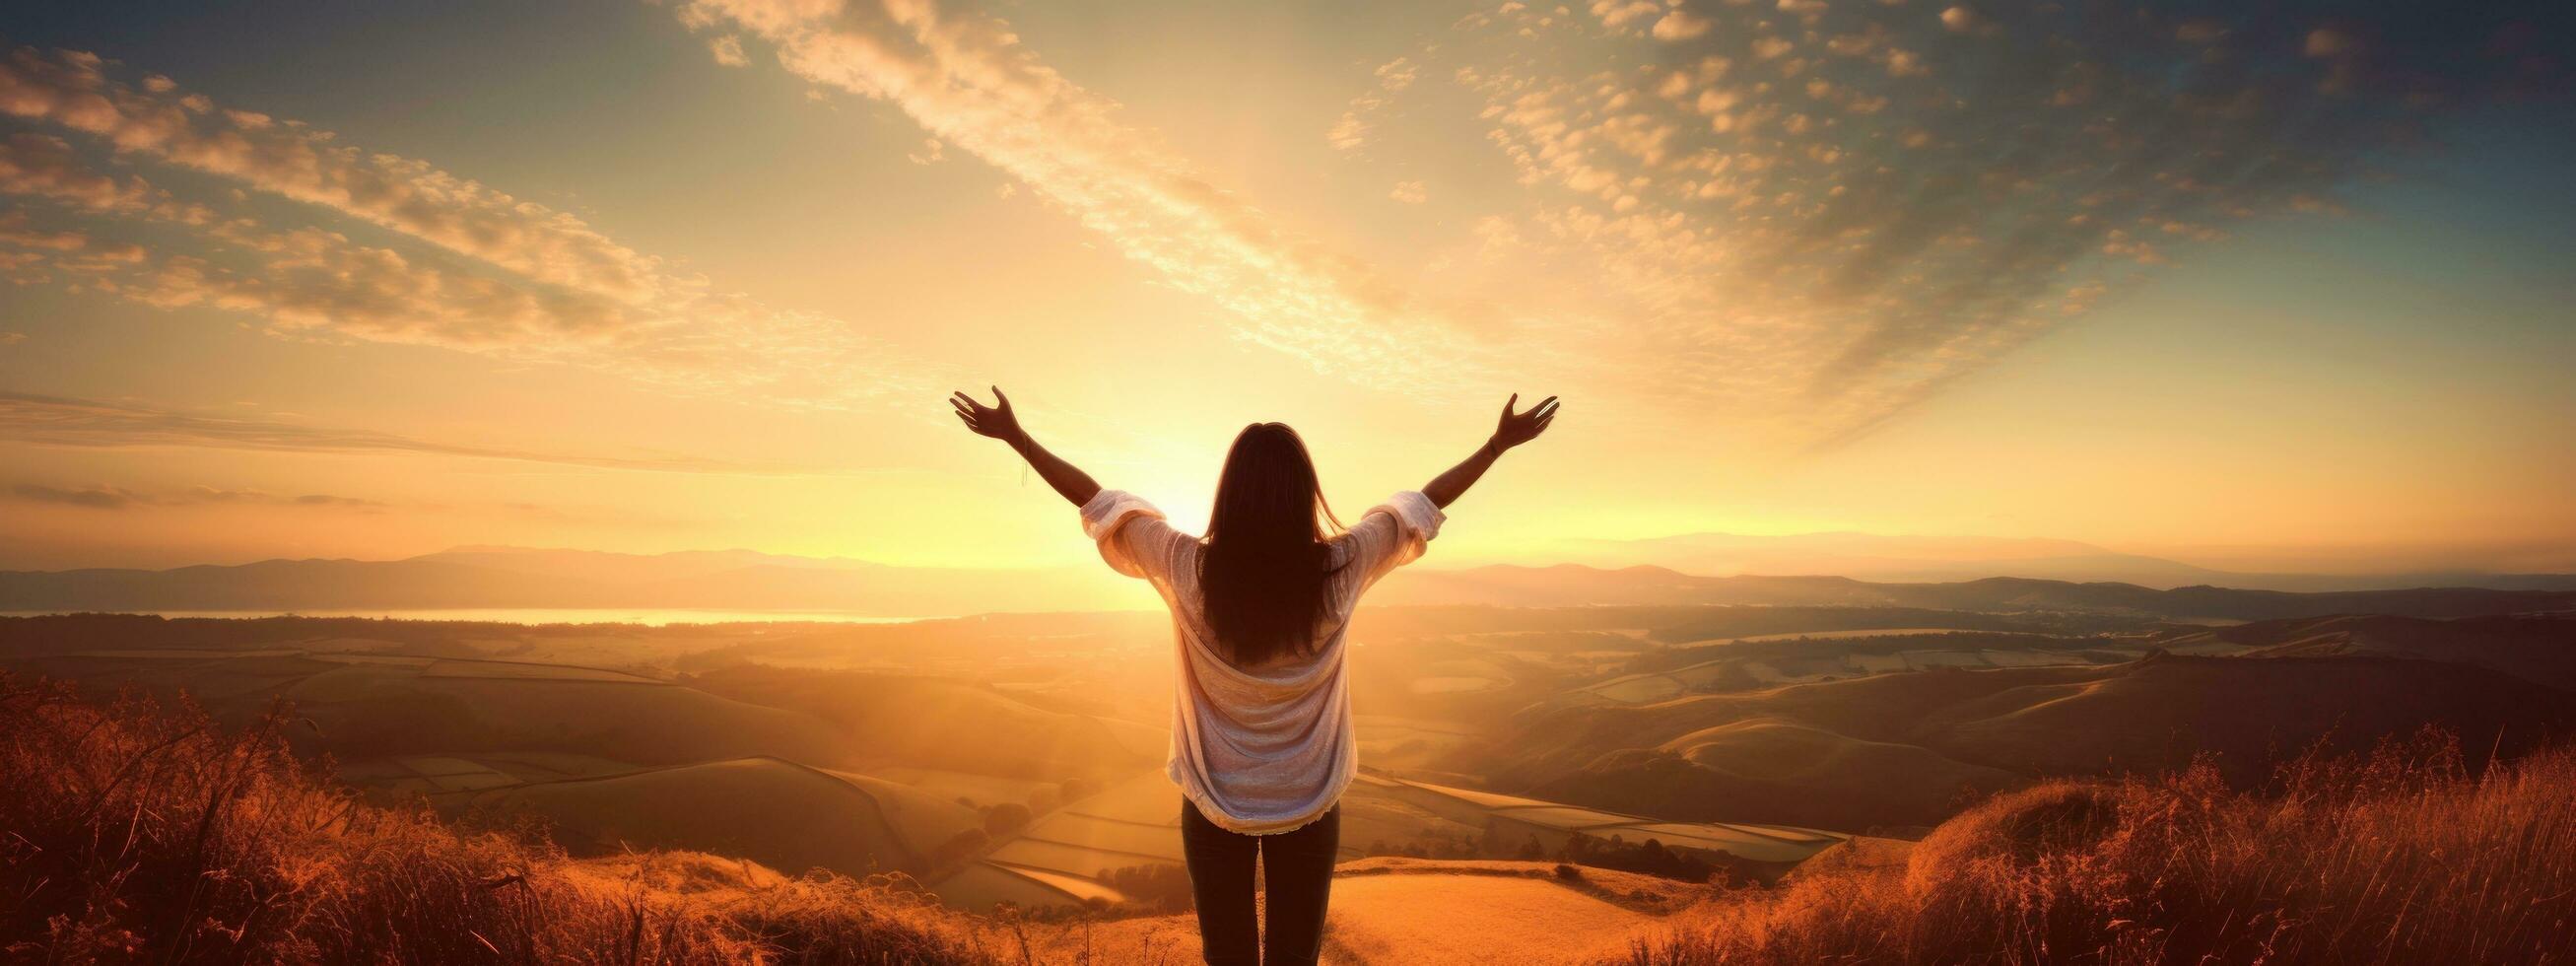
1268	749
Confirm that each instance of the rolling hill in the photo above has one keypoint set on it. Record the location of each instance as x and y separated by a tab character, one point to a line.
942	723
2534	647
366	705
772	811
1909	749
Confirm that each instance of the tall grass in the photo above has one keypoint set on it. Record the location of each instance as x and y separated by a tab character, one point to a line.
2397	857
131	832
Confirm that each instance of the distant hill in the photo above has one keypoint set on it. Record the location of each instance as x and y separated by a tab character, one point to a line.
1870	556
1574	585
1940	559
504	577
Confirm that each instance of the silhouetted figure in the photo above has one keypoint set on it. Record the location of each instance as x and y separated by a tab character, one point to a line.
1261	712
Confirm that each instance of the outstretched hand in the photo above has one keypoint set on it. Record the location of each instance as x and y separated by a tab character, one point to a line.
1514	429
1517	428
996	421
999	422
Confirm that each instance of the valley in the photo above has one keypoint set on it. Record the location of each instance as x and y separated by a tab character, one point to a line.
1015	759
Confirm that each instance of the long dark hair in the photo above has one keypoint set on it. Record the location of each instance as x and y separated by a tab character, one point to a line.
1264	574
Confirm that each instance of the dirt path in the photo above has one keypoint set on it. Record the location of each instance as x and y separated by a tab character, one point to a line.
1433	919
1413	911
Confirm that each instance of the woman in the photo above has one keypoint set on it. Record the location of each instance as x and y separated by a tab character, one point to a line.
1261	715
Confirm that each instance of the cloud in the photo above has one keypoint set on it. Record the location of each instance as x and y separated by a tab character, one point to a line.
1815	216
728	51
295	160
967	80
343	502
105	497
43	254
209	494
1351	131
315	281
16	229
91	497
492	273
1620	13
39	164
57	421
1408	192
1680	25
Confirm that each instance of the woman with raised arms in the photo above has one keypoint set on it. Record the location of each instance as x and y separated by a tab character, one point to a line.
1261	712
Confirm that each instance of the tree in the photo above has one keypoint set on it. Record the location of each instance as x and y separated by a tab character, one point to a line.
1005	818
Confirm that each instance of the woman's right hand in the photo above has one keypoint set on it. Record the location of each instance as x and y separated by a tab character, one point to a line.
1518	428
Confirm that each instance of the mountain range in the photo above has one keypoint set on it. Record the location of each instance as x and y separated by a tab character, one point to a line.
1935	559
506	577
509	577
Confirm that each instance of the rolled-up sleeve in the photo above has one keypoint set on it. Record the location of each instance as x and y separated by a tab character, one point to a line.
1132	535
1394	533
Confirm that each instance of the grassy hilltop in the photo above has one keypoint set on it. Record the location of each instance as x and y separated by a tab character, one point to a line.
133	832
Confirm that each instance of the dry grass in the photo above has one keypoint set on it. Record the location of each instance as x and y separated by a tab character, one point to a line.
131	832
2400	856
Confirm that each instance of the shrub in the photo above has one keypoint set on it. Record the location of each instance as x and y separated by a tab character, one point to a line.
129	831
1649	857
2399	856
1005	818
1159	888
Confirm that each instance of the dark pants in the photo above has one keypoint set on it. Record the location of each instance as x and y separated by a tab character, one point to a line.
1299	868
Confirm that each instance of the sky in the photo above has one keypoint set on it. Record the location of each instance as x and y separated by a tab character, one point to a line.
2284	290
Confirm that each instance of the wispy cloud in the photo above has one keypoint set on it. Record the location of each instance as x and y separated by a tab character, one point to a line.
1807	216
56	421
104	497
967	80
211	494
1822	214
1351	132
160	121
494	273
92	497
728	51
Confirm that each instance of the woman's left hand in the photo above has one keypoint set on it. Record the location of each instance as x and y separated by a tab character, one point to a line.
1517	428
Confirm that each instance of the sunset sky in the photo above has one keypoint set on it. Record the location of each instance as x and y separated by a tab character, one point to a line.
2289	292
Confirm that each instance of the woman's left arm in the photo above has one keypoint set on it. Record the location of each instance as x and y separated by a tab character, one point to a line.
999	422
1513	430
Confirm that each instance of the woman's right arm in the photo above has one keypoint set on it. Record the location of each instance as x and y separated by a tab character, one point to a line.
998	421
1133	536
1513	430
